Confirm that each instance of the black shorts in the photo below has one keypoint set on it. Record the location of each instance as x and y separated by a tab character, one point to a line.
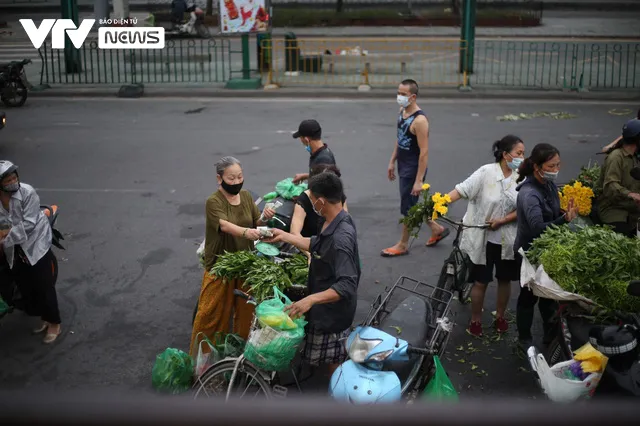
406	199
506	270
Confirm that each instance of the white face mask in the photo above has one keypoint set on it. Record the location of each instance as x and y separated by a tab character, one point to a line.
403	101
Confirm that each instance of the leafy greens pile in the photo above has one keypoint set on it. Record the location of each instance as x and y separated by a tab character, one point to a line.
593	261
260	273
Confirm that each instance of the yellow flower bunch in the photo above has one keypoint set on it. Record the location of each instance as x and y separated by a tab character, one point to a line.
582	196
428	208
439	204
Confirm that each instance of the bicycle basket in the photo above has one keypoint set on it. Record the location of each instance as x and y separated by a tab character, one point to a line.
272	350
267	347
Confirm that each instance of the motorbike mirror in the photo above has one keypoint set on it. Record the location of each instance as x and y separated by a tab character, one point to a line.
635	173
634	288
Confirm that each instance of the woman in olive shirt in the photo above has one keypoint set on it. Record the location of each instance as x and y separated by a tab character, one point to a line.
230	226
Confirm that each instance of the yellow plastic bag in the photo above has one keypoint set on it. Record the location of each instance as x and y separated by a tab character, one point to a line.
591	360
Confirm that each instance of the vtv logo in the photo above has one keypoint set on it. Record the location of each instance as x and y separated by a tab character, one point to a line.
58	28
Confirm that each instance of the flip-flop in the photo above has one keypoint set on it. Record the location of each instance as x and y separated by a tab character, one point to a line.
435	240
391	252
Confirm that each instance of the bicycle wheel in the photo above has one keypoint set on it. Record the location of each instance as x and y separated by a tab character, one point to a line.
248	381
446	282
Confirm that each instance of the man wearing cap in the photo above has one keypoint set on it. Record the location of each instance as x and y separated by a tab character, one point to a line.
619	202
310	134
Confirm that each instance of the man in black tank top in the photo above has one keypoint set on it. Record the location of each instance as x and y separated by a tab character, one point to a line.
411	154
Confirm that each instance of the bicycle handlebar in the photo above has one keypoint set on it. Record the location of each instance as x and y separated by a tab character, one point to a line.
454	223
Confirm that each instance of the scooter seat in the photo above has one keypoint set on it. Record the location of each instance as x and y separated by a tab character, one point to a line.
409	321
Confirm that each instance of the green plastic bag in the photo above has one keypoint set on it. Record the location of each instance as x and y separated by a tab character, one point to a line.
173	371
273	348
270	196
440	387
4	308
288	190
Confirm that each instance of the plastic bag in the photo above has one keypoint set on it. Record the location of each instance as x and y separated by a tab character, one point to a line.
270	196
558	386
270	313
440	387
269	348
205	357
173	371
4	308
542	285
288	190
200	253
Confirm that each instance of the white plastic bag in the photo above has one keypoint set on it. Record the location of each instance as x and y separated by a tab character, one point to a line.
200	253
543	285
205	358
560	389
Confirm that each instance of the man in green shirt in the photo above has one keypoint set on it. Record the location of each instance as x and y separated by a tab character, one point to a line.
619	203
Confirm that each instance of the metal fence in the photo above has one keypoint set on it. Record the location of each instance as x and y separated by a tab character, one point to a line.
378	62
348	62
557	65
181	61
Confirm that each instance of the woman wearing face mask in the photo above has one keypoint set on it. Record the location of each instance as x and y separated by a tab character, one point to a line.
491	192
231	219
27	248
538	208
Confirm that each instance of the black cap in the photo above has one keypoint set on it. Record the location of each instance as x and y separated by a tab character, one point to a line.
309	129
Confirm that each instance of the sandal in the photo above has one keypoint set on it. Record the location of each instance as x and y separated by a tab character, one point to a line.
51	337
391	252
436	239
43	327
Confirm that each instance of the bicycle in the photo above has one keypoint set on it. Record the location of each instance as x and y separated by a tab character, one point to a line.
454	275
229	372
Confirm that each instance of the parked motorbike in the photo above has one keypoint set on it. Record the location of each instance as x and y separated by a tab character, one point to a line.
8	289
382	367
193	27
619	342
13	83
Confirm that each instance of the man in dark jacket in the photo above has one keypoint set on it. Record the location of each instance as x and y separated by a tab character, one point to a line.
334	274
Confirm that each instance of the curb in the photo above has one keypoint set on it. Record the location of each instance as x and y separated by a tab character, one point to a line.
453	93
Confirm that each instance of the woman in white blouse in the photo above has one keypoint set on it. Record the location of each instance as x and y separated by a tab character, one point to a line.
491	192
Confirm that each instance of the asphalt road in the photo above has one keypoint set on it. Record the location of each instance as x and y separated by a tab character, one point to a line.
131	178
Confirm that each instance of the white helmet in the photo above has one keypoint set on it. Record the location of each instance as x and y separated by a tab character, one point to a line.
6	168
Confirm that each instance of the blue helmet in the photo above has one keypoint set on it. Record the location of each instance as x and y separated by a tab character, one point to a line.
631	130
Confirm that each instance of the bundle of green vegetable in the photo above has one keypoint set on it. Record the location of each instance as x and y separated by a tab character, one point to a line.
297	268
260	273
594	262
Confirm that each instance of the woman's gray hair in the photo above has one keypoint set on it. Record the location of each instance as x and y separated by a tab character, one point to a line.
224	163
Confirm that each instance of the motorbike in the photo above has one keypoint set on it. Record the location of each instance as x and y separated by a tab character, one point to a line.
3	120
13	83
193	27
619	342
391	353
8	289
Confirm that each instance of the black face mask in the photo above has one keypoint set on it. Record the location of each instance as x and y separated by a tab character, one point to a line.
232	189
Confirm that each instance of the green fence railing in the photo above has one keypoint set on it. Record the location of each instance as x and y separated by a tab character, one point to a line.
591	65
181	61
524	64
